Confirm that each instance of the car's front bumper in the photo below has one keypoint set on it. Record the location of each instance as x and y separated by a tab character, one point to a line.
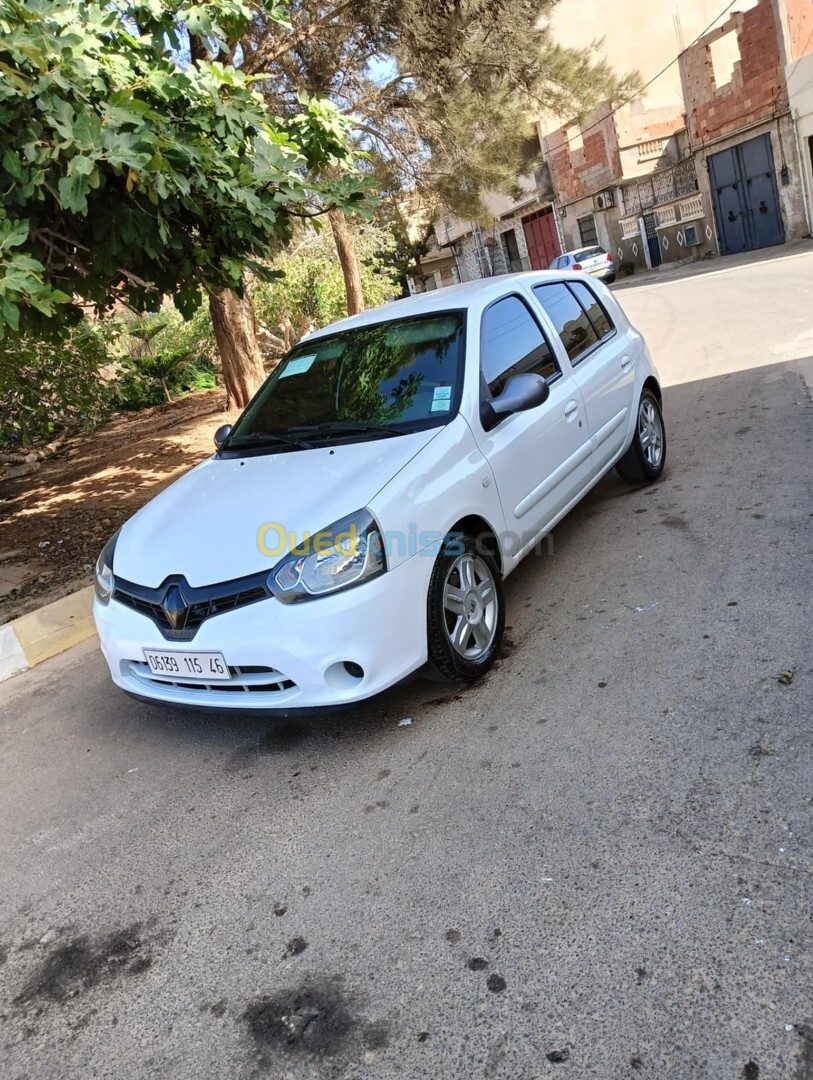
300	648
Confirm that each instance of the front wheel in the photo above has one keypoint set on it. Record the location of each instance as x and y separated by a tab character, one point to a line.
465	612
646	457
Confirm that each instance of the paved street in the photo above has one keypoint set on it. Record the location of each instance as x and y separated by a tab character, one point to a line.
596	863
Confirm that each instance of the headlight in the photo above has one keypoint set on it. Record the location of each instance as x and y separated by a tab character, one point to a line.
103	581
347	553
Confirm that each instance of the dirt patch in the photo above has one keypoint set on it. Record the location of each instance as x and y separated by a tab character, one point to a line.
315	1019
78	965
54	523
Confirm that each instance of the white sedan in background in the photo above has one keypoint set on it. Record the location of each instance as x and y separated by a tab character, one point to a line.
357	522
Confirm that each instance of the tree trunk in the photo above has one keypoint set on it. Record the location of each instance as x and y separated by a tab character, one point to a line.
236	334
346	248
165	388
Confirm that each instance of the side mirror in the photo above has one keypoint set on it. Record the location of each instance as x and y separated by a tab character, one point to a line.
222	434
520	393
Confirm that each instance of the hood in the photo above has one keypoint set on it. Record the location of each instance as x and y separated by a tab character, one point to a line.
205	525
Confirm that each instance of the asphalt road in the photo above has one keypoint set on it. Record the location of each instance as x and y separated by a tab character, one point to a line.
596	863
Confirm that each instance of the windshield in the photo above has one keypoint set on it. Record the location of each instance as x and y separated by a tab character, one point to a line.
392	377
589	253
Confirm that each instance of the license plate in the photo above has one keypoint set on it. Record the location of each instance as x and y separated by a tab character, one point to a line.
206	666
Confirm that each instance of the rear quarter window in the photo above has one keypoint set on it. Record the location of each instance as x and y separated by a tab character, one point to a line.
569	318
595	310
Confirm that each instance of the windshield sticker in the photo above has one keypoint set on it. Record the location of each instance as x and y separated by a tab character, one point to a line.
298	366
441	399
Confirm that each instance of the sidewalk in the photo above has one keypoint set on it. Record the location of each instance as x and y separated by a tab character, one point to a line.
676	271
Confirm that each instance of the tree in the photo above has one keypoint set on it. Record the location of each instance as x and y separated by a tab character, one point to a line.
310	291
449	119
128	175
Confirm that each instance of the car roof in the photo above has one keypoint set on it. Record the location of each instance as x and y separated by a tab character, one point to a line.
470	294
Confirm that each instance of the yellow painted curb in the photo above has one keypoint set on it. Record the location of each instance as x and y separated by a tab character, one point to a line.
41	634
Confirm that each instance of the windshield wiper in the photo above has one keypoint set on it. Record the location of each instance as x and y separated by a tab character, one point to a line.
347	427
265	438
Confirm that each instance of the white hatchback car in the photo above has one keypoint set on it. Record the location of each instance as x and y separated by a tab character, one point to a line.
356	523
593	260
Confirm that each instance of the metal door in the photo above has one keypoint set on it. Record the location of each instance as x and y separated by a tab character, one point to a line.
746	201
652	240
541	238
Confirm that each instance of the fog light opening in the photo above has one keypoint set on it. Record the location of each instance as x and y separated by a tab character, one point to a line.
344	674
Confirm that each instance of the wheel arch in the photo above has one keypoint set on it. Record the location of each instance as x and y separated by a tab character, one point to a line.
477	527
651	383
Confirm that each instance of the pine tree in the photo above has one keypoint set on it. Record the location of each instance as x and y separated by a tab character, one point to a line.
451	119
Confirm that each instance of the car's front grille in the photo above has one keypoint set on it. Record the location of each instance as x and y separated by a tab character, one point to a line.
180	623
244	679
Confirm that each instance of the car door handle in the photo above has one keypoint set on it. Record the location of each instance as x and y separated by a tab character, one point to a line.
626	363
571	409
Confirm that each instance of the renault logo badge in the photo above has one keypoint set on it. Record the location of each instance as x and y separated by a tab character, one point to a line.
175	607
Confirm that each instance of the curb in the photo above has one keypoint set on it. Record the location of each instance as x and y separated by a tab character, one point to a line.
32	638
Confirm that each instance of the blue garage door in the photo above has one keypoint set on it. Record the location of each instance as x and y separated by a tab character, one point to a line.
746	202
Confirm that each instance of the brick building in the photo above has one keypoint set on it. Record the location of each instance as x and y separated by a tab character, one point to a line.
623	181
522	234
740	125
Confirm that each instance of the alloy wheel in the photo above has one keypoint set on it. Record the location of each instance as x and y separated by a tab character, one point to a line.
470	606
650	432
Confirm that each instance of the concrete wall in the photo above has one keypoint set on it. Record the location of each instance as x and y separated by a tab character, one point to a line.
800	93
605	221
671	238
797	18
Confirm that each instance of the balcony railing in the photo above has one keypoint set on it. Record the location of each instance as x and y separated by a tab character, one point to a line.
660	186
647	151
666	216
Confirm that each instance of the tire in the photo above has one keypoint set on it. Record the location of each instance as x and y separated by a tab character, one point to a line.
609	280
646	457
465	612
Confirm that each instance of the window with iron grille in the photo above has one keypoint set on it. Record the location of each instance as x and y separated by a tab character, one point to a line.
661	186
587	230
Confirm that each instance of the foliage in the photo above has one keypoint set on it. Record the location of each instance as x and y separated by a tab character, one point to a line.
450	118
149	380
46	387
310	292
162	357
168	332
128	175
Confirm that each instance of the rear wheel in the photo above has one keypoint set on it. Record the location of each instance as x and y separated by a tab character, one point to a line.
646	457
466	612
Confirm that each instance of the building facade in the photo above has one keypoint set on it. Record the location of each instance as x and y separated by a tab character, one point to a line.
521	234
624	180
740	125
